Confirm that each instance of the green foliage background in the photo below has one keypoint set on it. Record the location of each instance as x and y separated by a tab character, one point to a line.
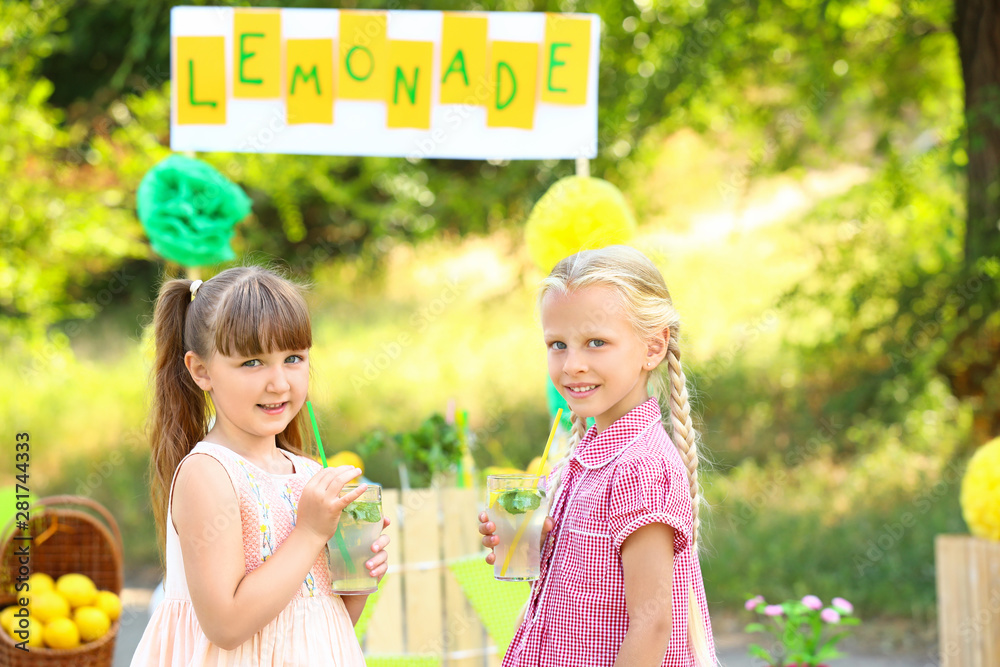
813	357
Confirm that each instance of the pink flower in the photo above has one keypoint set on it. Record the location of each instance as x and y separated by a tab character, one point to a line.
843	605
812	602
752	603
830	615
773	610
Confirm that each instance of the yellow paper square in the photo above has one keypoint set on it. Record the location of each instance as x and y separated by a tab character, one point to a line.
362	67
256	53
200	69
565	60
512	80
463	59
309	72
411	66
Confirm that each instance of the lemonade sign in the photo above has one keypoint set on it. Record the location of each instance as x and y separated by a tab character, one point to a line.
504	85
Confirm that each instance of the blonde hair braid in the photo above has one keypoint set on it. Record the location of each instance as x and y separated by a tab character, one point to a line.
684	435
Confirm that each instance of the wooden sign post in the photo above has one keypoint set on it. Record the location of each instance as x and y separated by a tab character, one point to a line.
968	590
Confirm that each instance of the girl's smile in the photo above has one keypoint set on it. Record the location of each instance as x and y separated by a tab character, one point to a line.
579	391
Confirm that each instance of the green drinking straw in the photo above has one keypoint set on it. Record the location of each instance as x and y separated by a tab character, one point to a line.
341	543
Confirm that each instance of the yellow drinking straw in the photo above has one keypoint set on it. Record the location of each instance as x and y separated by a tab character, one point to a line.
541	468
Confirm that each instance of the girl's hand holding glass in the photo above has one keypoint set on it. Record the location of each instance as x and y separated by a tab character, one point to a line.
378	564
320	506
488	528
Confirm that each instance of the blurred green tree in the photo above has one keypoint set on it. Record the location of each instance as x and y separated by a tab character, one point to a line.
63	226
972	360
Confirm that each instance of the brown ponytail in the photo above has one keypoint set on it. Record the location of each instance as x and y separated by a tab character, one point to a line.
180	413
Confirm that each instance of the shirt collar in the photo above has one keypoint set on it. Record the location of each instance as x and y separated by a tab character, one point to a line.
598	450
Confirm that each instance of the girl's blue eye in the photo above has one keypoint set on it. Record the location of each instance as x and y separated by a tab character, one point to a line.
251	363
298	357
558	345
597	343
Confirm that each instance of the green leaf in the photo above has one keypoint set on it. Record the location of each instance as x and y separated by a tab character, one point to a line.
519	501
828	653
364	512
758	652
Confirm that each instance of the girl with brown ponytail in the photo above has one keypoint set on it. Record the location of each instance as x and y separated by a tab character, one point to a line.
620	582
244	515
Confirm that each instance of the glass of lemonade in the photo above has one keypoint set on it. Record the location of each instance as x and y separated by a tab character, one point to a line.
517	506
351	546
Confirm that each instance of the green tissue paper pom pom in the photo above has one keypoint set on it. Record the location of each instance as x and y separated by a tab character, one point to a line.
189	209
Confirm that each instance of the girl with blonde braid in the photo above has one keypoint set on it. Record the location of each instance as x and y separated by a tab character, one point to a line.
620	582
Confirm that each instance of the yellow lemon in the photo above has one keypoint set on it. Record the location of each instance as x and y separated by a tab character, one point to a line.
7	618
61	633
40	582
109	603
35	630
493	498
78	589
91	622
48	606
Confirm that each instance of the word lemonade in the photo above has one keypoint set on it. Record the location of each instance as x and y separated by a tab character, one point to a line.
413	63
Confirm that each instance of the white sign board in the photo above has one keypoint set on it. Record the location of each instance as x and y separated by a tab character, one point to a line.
427	84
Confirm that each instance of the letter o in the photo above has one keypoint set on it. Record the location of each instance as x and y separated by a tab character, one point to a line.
350	70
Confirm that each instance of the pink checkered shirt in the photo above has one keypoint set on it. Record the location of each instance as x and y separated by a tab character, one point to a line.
628	476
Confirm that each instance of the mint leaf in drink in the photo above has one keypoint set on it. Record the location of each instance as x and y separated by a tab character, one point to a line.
519	501
364	512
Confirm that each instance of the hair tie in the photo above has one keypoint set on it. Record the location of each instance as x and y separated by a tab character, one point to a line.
194	288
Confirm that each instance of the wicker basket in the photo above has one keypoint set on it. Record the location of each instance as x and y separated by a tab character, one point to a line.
65	540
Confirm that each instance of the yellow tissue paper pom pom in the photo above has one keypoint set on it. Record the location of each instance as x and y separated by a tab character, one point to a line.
577	213
981	492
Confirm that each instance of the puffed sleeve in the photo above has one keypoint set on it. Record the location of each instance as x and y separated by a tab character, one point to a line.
650	490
